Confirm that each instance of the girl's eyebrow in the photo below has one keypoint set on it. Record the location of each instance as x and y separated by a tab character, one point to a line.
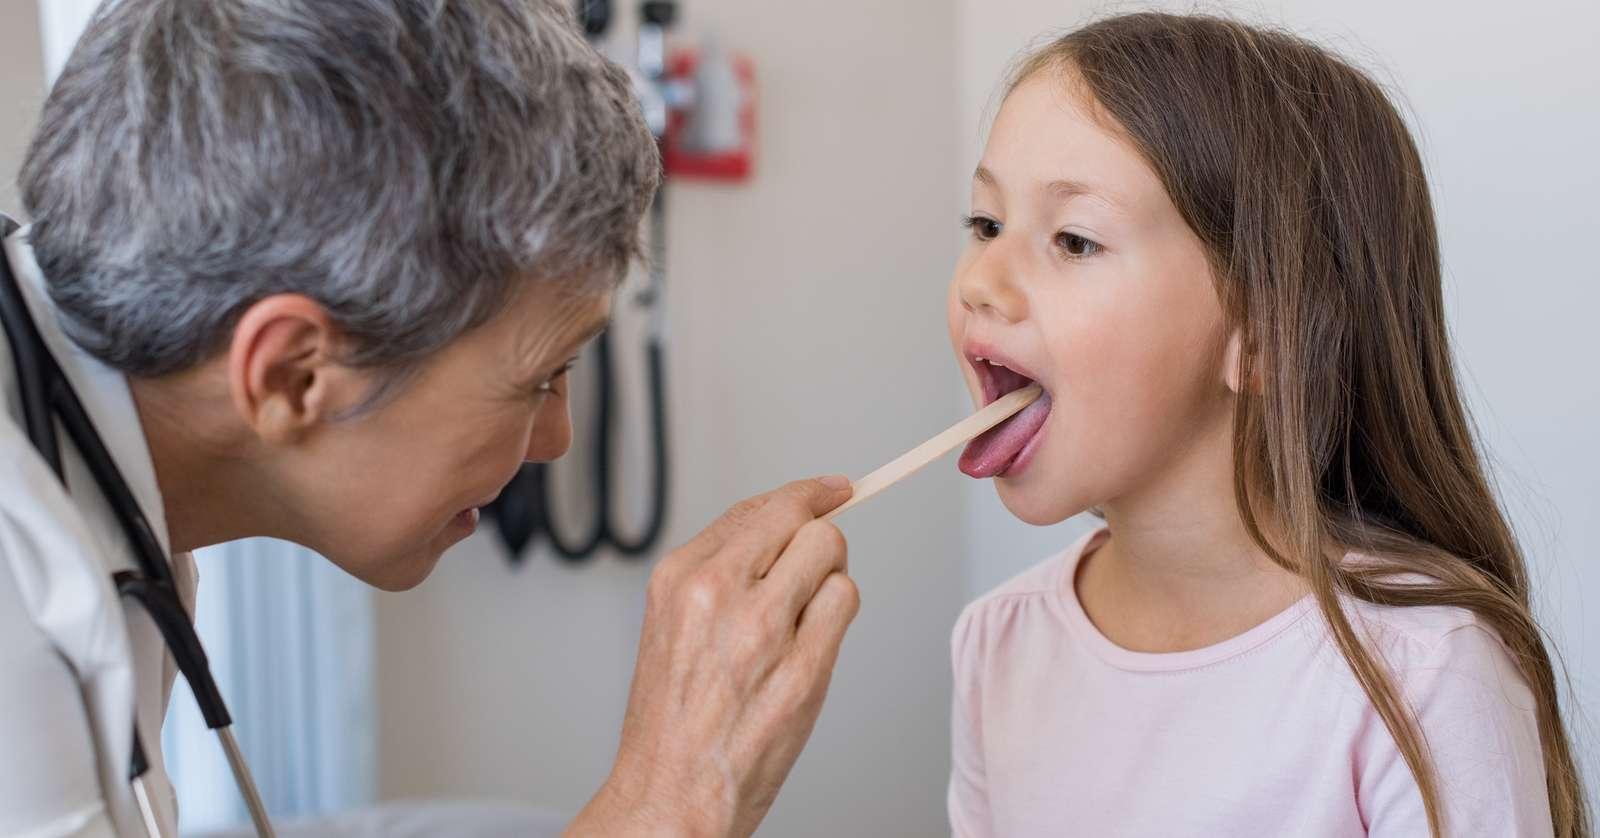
1064	189
1061	188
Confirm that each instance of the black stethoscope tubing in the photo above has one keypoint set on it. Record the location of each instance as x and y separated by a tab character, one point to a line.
603	530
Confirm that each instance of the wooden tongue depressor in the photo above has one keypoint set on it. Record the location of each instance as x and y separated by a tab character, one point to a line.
908	463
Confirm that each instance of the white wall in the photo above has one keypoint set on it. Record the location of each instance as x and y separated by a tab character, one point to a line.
808	337
22	92
1509	125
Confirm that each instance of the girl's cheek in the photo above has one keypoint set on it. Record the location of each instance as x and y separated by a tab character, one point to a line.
1107	357
1074	329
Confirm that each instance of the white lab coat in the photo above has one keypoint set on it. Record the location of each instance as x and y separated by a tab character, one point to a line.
76	668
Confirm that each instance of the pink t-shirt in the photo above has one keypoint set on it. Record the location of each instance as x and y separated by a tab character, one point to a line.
1058	731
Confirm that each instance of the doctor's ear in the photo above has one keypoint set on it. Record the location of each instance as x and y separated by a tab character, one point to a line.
283	370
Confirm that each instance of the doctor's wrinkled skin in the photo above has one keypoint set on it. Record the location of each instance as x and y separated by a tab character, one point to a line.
341	280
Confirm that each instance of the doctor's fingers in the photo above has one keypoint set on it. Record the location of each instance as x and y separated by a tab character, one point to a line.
817	551
813	494
752	533
823	624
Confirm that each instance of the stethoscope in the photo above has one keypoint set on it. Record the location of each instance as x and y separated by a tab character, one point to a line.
46	397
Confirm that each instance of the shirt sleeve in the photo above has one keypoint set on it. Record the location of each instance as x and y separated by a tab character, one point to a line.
1478	718
49	780
969	796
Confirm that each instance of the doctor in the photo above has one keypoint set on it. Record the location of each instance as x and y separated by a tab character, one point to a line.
316	271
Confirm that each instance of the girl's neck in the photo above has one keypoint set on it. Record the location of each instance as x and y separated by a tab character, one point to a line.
1180	571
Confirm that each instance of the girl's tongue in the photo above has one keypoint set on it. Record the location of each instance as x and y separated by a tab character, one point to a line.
997	448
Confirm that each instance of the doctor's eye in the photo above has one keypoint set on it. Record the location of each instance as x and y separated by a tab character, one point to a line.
549	385
983	227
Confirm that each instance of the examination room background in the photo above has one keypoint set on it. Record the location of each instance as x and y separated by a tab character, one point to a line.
807	336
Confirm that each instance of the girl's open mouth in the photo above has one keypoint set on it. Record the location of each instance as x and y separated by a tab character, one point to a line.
1003	447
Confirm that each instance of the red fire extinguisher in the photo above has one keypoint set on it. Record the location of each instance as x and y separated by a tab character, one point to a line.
713	137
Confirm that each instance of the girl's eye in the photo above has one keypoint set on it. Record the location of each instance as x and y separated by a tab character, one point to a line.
1077	246
983	228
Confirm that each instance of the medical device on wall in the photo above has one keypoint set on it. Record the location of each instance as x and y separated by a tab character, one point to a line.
700	105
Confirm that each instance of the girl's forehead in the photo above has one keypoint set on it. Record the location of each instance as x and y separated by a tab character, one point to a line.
1046	140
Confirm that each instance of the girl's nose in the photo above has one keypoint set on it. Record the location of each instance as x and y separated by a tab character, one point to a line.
988	286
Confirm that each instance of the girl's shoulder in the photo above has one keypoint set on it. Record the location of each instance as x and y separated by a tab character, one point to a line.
1467	696
1026	603
1036	584
1019	597
1416	635
1441	653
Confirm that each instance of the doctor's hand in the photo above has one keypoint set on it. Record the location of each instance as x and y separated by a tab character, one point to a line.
741	631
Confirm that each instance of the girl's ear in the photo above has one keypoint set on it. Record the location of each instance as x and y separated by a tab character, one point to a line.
1233	367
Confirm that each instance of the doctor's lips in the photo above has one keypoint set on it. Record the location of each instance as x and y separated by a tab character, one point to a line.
467	519
1010	444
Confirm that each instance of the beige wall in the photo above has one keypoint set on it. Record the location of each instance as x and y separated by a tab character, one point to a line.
807	329
21	92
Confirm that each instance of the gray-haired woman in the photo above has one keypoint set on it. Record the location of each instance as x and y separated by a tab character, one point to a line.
315	271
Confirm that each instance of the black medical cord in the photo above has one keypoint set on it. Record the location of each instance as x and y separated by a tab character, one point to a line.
603	530
594	16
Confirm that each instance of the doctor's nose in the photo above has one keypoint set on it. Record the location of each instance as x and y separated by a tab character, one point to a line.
988	287
552	432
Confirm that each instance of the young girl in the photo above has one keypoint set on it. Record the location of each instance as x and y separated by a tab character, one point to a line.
1305	614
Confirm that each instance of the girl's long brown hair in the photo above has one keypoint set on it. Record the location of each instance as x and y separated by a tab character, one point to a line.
1302	181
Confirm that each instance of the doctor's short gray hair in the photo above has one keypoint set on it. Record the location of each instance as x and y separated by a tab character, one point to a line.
405	163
